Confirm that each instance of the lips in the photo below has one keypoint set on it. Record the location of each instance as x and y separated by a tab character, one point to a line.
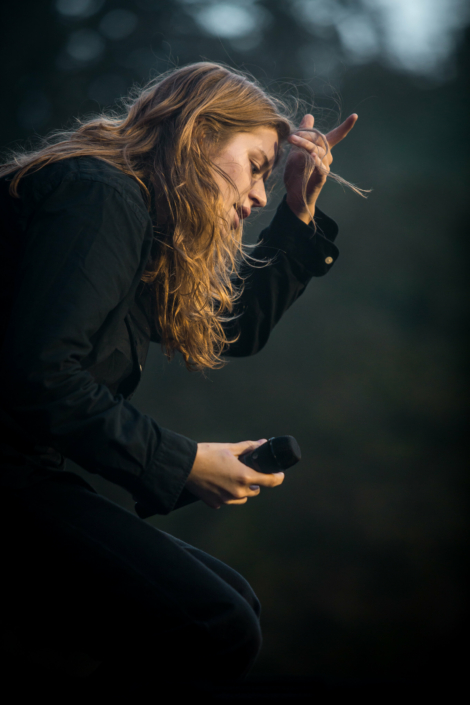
240	213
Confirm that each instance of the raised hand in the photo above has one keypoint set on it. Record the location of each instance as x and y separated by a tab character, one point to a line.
319	146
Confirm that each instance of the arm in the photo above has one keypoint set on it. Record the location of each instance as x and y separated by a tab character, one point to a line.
298	253
85	248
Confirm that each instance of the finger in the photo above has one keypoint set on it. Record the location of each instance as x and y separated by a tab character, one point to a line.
315	137
307	121
309	145
237	501
266	479
242	492
253	491
340	132
310	137
322	159
244	446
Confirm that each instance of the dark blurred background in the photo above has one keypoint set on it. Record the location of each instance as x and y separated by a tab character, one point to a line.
358	559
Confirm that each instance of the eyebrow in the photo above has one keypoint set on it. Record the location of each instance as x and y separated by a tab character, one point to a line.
266	163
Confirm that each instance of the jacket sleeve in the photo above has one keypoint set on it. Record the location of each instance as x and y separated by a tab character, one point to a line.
85	247
296	252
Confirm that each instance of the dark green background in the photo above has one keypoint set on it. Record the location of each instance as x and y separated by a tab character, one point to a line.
358	558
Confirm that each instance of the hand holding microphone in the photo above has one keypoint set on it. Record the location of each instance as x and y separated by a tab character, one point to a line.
218	476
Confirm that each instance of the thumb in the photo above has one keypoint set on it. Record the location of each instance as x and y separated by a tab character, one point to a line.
245	446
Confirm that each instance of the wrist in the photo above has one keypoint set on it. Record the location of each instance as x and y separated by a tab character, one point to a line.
300	211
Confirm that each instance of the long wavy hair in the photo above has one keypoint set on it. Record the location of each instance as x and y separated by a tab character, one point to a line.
164	138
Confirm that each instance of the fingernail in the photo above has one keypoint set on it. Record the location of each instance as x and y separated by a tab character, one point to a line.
278	474
254	487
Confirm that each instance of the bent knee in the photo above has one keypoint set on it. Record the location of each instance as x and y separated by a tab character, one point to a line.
249	627
241	638
247	592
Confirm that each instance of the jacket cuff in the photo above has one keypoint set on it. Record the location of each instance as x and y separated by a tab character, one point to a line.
163	481
312	248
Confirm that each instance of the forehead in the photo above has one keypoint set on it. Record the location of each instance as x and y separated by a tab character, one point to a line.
264	138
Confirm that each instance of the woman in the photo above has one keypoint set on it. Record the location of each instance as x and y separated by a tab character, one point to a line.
123	231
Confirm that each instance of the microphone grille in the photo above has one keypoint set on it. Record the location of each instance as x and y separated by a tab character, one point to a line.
286	450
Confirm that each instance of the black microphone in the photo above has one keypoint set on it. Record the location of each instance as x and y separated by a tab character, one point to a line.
275	455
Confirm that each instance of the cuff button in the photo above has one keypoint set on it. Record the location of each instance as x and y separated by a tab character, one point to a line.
329	260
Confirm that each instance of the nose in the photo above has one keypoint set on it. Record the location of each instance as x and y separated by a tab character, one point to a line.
257	194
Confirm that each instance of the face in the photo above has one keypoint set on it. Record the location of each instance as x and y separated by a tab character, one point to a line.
248	159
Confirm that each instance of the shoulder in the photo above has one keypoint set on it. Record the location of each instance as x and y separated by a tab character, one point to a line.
85	175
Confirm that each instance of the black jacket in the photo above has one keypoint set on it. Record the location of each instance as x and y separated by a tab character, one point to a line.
76	322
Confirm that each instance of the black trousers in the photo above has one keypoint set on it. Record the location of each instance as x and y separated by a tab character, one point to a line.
82	574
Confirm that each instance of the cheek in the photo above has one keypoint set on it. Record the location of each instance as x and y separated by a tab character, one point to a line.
224	187
241	177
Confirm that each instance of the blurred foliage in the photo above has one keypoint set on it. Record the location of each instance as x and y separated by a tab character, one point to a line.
358	558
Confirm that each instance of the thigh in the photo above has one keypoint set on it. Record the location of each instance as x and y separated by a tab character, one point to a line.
80	567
